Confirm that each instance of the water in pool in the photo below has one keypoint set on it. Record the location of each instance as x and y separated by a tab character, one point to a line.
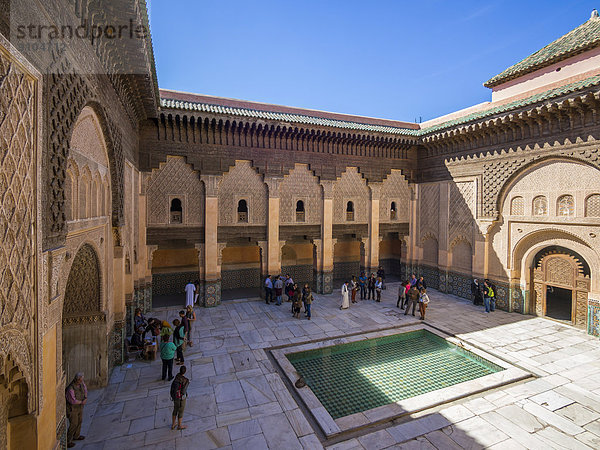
355	377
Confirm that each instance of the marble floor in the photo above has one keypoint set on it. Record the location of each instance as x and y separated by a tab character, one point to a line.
239	400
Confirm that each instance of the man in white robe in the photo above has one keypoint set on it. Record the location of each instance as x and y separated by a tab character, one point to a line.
189	294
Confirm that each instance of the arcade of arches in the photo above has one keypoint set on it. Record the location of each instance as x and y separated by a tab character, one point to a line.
114	194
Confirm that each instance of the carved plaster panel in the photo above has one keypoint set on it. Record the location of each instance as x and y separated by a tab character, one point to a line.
242	182
300	184
350	187
394	189
175	178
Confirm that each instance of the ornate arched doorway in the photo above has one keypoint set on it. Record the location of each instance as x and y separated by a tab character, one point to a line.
561	282
84	335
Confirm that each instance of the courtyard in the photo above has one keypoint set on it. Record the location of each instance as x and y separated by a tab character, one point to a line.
239	398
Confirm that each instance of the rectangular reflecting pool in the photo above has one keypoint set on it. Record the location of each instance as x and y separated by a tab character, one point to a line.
359	376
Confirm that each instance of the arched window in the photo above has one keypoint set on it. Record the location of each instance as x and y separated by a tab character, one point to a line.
350	211
176	211
300	211
592	206
393	213
517	206
565	206
540	206
242	211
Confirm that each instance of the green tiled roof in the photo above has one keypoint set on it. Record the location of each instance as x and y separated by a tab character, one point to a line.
542	96
310	120
582	38
284	117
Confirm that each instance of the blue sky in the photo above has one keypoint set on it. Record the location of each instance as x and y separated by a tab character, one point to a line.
400	59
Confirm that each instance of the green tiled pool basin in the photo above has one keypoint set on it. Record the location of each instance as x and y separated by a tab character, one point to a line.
355	377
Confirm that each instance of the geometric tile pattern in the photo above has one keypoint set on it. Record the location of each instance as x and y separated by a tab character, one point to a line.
355	377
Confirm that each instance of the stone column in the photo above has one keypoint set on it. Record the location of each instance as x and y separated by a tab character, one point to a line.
264	270
148	294
325	275
200	248
413	230
273	245
212	266
443	238
372	246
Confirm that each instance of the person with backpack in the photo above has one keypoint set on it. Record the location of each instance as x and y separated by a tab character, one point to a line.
489	297
178	340
179	396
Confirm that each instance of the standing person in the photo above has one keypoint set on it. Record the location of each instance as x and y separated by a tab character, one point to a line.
353	288
197	286
401	296
296	305
413	299
278	290
268	289
362	283
378	288
190	315
178	340
381	274
413	280
76	397
423	302
167	354
476	292
308	301
371	286
179	396
289	291
489	297
185	322
305	290
421	284
345	301
189	293
289	284
139	319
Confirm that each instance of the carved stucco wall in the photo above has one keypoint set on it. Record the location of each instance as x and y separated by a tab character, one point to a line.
462	211
175	179
300	184
18	199
242	182
394	189
462	256
429	205
550	179
350	187
82	294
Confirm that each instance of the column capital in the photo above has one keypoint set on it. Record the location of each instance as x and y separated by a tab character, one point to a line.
273	184
327	188
220	247
375	189
211	184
